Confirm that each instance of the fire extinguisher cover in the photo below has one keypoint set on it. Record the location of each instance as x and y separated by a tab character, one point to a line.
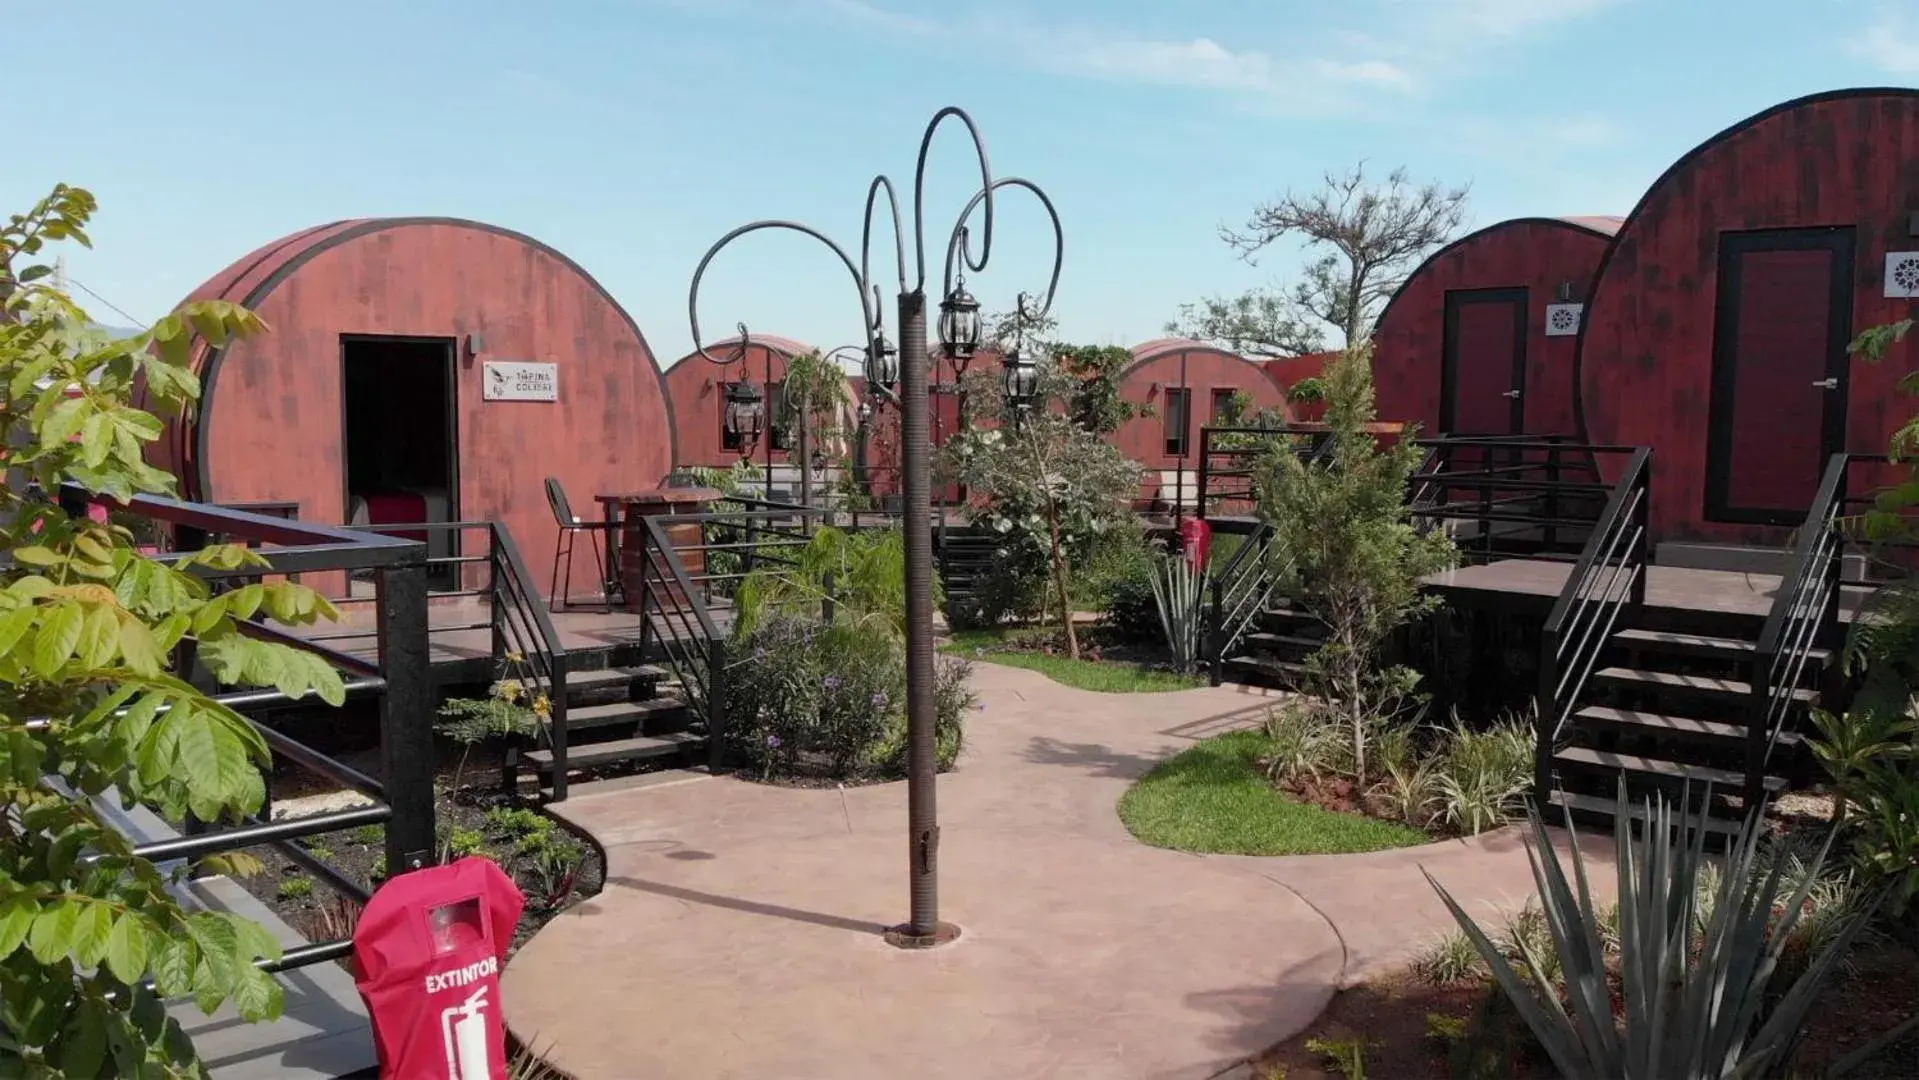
428	952
1196	540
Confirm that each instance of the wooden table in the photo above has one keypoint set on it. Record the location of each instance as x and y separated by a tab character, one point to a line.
626	542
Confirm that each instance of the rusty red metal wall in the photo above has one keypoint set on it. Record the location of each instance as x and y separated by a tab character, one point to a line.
1645	357
1536	254
271	425
697	387
1157	368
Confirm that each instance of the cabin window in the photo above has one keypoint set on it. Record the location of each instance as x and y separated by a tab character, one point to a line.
1179	405
1225	411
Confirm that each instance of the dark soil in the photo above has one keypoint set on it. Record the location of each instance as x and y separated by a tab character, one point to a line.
1397	1021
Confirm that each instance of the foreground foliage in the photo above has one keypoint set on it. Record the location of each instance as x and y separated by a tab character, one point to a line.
88	705
1697	992
1343	531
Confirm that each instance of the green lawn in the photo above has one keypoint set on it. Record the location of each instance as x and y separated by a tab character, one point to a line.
1215	798
1104	676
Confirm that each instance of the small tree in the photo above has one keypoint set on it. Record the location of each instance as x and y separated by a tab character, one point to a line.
1377	236
1343	526
1047	484
87	703
814	402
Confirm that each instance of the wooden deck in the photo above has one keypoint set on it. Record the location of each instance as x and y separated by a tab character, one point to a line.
596	637
1524	583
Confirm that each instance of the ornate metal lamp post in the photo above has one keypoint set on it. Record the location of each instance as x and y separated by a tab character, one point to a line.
960	335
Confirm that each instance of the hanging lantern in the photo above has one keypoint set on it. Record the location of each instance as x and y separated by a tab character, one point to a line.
959	324
745	414
1019	381
883	363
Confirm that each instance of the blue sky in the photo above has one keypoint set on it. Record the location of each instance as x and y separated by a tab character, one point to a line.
632	133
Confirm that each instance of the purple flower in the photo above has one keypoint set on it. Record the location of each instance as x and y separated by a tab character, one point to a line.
831	682
772	742
879	700
981	707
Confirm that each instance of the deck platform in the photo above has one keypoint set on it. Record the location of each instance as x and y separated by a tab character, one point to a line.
1522	585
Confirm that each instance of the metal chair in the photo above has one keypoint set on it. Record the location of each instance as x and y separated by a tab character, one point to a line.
571	525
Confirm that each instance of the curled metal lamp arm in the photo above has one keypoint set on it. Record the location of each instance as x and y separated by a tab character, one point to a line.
957	245
919	198
866	239
693	294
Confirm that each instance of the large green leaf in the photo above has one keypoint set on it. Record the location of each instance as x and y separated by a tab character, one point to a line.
16	918
57	637
129	947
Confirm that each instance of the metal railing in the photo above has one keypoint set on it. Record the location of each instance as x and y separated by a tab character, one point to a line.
524	644
1610	574
1520	495
396	674
1227	459
1237	593
1804	615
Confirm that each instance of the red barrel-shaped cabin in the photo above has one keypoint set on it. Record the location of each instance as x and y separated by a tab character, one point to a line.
1186	385
423	369
1480	339
1718	327
698	388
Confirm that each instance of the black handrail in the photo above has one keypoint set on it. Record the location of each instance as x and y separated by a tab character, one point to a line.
1610	574
1804	614
693	645
397	674
523	626
1239	591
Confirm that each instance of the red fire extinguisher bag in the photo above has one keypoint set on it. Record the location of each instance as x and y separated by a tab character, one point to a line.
428	949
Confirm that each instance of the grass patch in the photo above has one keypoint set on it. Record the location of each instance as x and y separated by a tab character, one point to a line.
1103	676
1215	798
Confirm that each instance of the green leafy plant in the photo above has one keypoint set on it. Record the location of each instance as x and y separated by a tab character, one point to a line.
1047	486
1179	591
814	404
1347	1057
518	822
320	851
507	712
456	842
1310	390
860	576
1300	743
296	888
555	861
1357	564
1483	774
86	626
1691	1003
370	835
1450	959
1117	582
1410	788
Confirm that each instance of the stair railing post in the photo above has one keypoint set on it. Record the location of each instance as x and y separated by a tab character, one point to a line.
1547	710
1552	495
406	715
715	702
1642	551
1215	635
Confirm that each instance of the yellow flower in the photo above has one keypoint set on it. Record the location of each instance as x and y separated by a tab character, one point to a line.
508	689
515	657
542	707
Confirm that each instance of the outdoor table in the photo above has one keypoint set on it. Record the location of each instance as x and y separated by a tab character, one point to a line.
628	510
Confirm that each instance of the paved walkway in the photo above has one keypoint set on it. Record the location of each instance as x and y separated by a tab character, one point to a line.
737	936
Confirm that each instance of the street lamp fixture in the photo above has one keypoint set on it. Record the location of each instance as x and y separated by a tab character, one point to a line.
1019	381
959	324
959	330
883	366
745	413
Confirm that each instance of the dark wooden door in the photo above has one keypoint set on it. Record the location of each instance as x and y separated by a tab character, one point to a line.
1778	409
1483	374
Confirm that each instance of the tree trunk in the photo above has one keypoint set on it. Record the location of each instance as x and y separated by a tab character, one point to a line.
1062	583
806	467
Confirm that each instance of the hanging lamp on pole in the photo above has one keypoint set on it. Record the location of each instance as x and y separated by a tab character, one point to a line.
959	330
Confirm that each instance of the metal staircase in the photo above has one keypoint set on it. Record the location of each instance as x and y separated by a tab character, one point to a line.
1709	703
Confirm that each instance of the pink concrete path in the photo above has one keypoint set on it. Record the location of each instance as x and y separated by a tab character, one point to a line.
738	933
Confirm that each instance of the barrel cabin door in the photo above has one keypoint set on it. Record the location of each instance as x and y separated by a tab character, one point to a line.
1778	407
1483	369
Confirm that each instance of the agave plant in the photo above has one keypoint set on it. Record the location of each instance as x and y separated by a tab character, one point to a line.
1179	589
1694	1003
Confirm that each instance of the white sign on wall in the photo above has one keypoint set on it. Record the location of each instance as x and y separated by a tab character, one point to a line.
518	380
1902	274
1562	320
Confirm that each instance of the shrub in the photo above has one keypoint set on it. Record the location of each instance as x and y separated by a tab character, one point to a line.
296	888
812	699
508	712
1117	582
1482	775
1450	959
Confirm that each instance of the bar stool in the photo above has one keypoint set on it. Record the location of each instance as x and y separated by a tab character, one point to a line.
571	525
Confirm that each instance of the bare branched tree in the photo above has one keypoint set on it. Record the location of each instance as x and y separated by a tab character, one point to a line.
1377	234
